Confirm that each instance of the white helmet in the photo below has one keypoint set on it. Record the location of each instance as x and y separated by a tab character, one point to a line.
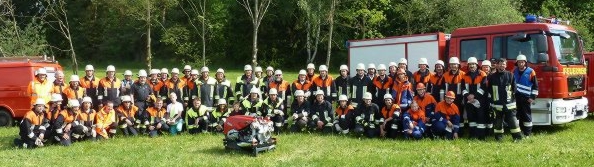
440	63
56	97
127	72
204	69
302	72
73	103
87	99
247	67
255	90
154	71
403	61
194	72
258	69
371	66
320	92
392	64
164	71
278	72
142	73
222	102
360	66
273	91
344	67
381	67
41	71
521	57
454	60
74	78
472	60
323	68
126	98
110	68
367	96
423	61
342	98
311	66
220	70
174	71
387	96
269	68
299	93
486	63
39	101
187	67
89	68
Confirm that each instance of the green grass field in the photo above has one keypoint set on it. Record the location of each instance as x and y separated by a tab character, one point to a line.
566	145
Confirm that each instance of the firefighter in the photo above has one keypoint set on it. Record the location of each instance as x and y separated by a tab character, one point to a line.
501	89
126	83
197	117
343	82
423	75
52	114
392	67
403	64
162	87
74	91
58	87
344	115
85	121
436	84
158	119
390	118
252	105
453	82
105	119
275	109
65	123
187	73
359	85
427	103
526	92
382	84
40	88
91	85
281	87
207	87
367	117
486	67
236	110
223	87
174	110
402	91
32	131
174	85
245	83
269	78
125	115
325	83
109	87
301	110
221	113
154	82
322	115
142	96
413	122
474	95
446	121
371	71
191	88
301	83
311	72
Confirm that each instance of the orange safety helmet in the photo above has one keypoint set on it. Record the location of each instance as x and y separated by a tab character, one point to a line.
451	94
420	86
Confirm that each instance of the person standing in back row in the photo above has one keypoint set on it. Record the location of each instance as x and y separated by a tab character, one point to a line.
501	87
453	82
91	84
245	83
526	92
109	87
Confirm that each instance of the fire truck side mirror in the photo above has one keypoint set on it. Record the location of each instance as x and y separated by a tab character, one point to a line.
543	58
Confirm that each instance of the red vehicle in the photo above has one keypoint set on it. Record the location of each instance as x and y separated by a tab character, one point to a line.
589	57
16	75
553	50
243	132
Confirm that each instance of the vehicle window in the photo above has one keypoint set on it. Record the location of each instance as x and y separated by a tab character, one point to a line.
527	48
497	47
473	48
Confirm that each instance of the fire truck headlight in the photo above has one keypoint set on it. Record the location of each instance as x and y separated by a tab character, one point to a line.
560	110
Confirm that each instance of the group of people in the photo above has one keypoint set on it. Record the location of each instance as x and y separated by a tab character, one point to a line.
387	101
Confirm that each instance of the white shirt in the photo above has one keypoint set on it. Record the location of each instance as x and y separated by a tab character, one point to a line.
174	108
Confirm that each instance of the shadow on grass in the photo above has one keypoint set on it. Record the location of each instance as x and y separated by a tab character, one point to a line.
220	151
7	142
538	130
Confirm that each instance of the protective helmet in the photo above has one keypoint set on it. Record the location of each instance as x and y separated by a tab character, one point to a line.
342	98
451	94
367	96
204	69
127	72
299	93
360	66
387	96
142	73
381	67
440	63
311	66
255	90
269	68
423	61
110	68
273	91
41	71
39	101
174	71
194	72
187	67
472	60
56	97
126	98
319	92
154	71
74	78
371	66
87	100
73	103
323	68
247	68
486	63
454	60
403	61
222	102
258	69
344	67
164	71
278	72
521	57
393	64
220	70
89	68
302	72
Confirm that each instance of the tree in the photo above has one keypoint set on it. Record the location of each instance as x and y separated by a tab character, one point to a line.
19	35
313	19
198	12
58	21
256	10
331	23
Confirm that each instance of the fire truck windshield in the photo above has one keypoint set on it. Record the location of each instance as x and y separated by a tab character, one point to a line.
567	50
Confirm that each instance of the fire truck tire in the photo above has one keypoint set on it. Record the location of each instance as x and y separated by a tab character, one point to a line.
5	118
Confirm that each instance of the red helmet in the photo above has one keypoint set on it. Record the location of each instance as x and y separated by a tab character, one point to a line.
420	86
451	94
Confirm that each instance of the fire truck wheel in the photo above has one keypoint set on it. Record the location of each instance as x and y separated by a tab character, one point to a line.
5	118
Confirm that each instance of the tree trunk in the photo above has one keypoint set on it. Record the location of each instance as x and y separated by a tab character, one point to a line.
308	39
255	47
148	35
331	22
204	33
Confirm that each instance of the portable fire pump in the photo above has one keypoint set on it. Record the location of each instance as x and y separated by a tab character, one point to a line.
249	133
